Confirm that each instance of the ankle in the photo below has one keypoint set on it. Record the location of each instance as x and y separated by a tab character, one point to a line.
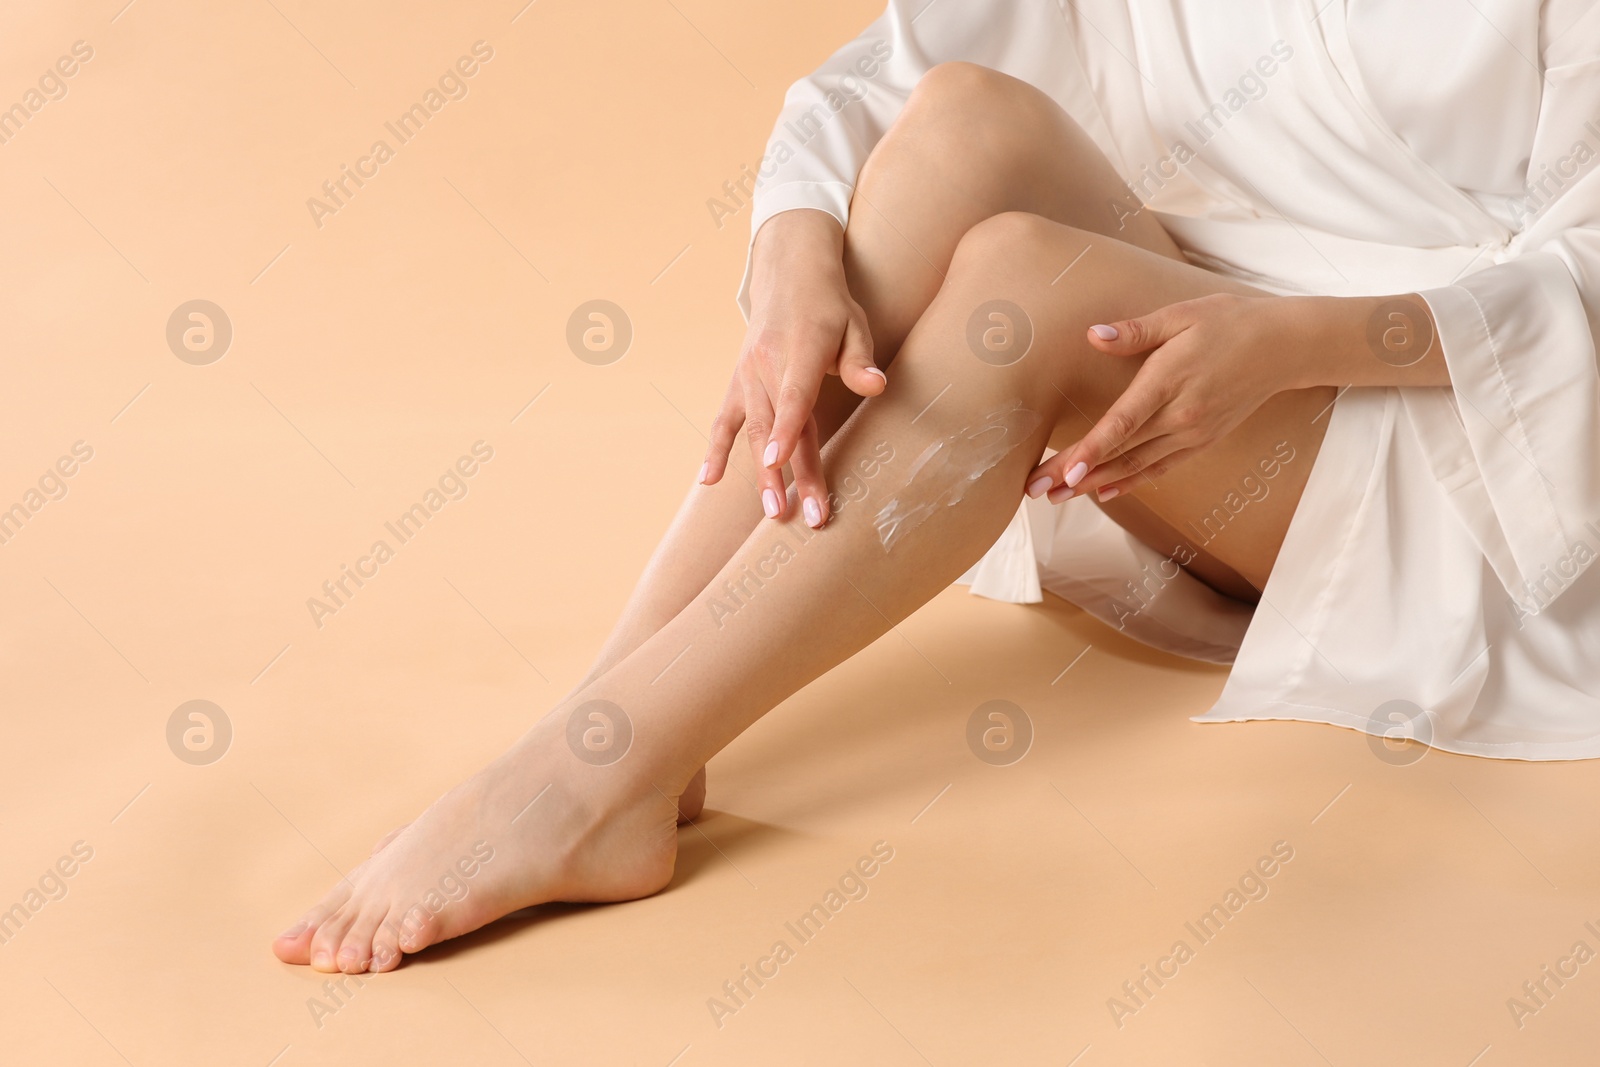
640	747
613	759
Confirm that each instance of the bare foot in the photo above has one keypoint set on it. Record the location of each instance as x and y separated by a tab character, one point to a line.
536	825
690	805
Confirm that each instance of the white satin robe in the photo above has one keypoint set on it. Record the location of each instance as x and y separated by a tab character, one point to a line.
1440	554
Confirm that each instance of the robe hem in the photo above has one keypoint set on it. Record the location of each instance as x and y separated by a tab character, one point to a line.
1530	751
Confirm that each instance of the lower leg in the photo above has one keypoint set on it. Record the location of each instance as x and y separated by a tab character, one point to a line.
971	143
582	807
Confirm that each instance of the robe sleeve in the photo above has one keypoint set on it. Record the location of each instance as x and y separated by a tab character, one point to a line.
832	118
1518	337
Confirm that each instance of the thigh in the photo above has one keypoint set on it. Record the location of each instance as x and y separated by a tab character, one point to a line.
1222	513
971	143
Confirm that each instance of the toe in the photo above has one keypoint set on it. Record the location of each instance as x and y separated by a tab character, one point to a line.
355	952
414	928
330	935
294	944
385	946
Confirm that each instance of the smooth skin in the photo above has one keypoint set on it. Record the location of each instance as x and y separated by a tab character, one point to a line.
982	190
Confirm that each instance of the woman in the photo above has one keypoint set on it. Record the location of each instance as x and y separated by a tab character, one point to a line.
1306	302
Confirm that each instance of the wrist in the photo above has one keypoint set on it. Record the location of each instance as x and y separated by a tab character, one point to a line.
1388	340
1325	328
800	239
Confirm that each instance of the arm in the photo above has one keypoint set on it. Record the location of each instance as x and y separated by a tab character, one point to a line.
848	103
1213	361
802	322
1505	401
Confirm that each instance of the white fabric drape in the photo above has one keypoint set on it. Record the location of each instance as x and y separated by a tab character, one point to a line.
1441	551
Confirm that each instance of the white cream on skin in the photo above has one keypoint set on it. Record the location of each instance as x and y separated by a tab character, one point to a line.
948	467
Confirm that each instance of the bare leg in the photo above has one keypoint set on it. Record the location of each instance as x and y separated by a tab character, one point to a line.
971	143
605	831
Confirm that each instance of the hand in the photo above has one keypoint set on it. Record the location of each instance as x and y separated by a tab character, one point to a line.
1213	361
803	325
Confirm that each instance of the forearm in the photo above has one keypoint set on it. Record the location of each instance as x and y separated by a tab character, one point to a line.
790	244
1365	341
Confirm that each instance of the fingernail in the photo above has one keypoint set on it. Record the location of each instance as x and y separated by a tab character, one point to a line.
1062	492
1039	485
705	471
813	513
1105	333
1075	475
769	503
770	456
879	373
1108	492
296	930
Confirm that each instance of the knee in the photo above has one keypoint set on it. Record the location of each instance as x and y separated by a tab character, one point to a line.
956	86
997	299
958	107
1008	292
1011	238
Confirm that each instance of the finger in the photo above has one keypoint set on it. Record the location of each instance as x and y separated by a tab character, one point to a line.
758	427
860	374
1134	467
809	483
796	400
1112	489
724	428
1121	427
1053	473
1131	337
1047	475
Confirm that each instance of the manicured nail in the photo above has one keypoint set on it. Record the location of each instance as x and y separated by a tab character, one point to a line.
1075	475
1062	492
770	456
879	373
769	503
813	513
1039	485
1107	493
705	471
1105	333
296	930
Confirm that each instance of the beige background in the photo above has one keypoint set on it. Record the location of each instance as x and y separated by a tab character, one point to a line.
368	354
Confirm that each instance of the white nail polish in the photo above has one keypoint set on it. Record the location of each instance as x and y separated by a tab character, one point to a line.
1076	474
879	373
1105	333
1039	485
813	513
770	456
769	503
705	472
1109	492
